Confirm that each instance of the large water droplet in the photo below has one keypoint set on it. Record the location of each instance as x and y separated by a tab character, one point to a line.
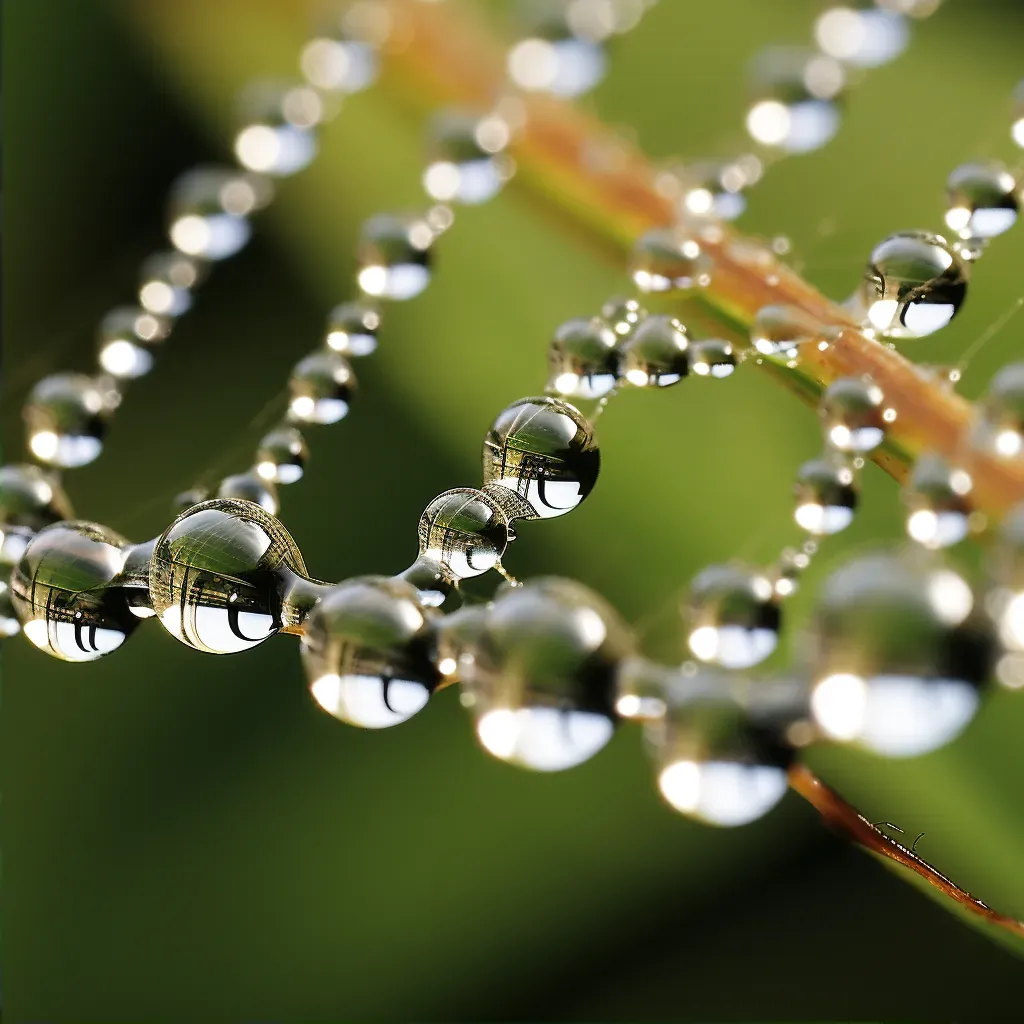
712	357
464	531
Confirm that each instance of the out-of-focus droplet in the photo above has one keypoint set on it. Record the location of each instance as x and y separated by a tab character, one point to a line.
552	58
713	189
732	616
937	496
66	418
781	330
826	495
9	624
900	654
655	354
30	498
910	8
281	456
352	329
852	415
320	388
914	284
540	459
1001	425
166	282
666	260
126	341
866	36
338	64
622	314
435	588
712	357
394	256
464	164
277	136
251	486
582	359
464	531
983	201
1017	129
786	573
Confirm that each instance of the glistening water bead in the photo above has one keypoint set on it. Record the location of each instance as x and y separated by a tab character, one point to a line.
852	415
553	57
282	456
914	284
826	495
463	531
127	339
667	260
252	487
166	282
320	388
779	330
394	256
30	498
66	417
712	357
352	329
277	136
983	201
540	459
463	165
899	655
655	354
1001	427
582	359
622	314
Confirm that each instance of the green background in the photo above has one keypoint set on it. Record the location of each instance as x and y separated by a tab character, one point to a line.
188	837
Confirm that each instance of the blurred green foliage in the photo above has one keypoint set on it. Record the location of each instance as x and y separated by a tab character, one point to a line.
188	838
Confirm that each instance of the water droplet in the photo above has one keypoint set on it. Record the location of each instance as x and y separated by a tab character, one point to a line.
792	564
667	260
464	531
127	339
218	575
982	199
543	451
366	651
252	487
339	65
622	314
352	329
865	38
826	495
1017	130
1001	426
720	751
732	615
794	92
552	58
582	359
320	387
461	636
713	189
542	677
281	457
435	588
66	419
936	496
277	136
780	330
655	353
898	657
911	8
166	281
65	592
9	624
913	286
712	357
394	256
852	415
463	165
30	498
183	501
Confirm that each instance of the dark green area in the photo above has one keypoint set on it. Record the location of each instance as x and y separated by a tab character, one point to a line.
188	838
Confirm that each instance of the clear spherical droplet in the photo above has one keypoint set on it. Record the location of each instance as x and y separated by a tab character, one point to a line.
30	498
913	286
464	531
435	587
281	457
552	58
277	136
982	199
394	256
463	165
66	418
899	655
780	330
826	496
366	650
712	357
866	37
655	354
713	189
218	576
66	593
1001	425
937	496
851	413
732	616
720	752
251	486
622	314
786	573
167	280
794	92
666	260
128	337
339	65
545	453
352	329
320	388
582	359
542	682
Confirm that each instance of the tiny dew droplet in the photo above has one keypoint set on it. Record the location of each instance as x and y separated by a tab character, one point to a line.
666	260
282	456
582	359
655	353
826	495
982	201
937	497
713	189
779	330
792	564
622	314
352	329
394	256
464	531
712	357
852	415
66	417
321	387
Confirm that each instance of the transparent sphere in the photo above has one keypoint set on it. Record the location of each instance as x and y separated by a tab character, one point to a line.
794	92
780	330
899	655
937	496
655	354
277	136
9	624
127	339
913	286
208	210
281	456
251	486
851	412
66	417
218	574
1001	426
366	650
543	683
462	165
712	357
714	189
434	586
732	616
983	200
320	388
622	314
352	329
464	531
394	256
66	591
551	57
544	452
582	359
866	37
719	749
339	65
786	572
166	282
30	498
826	496
666	260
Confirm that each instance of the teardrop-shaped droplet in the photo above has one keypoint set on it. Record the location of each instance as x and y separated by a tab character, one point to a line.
826	495
852	415
982	200
464	531
128	338
394	256
321	387
281	457
167	280
464	165
656	353
582	359
666	260
66	418
712	357
937	496
277	135
352	329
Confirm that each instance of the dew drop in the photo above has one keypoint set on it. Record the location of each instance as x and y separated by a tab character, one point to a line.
30	498
582	359
281	457
865	38
277	136
982	201
655	354
352	329
779	330
251	486
937	497
826	495
552	58
394	256
1001	425
209	209
852	415
66	417
166	282
463	531
339	65
127	339
712	357
464	165
320	388
666	260
622	315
